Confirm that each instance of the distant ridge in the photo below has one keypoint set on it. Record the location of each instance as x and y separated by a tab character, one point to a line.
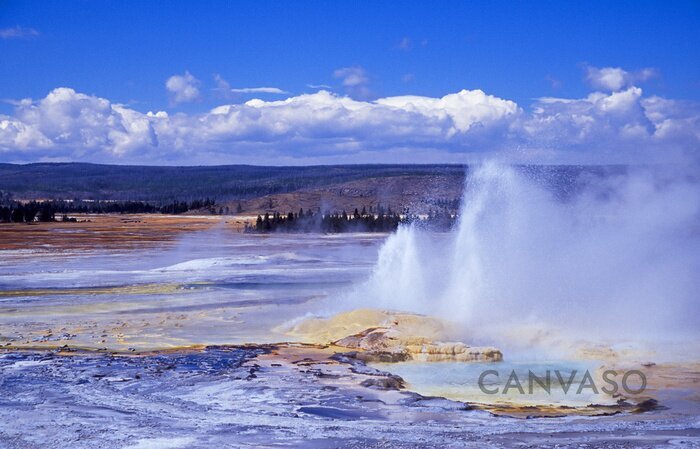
165	183
228	182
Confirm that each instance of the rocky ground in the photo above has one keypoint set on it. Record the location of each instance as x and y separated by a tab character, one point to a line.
272	396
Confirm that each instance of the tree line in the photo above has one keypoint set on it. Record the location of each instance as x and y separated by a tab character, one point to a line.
44	211
358	221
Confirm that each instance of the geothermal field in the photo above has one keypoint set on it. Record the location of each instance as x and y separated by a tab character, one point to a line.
542	318
349	224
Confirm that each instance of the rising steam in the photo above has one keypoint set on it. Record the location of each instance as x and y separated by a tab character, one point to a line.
618	260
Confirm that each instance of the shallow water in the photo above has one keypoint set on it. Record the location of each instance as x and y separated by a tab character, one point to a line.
460	381
209	287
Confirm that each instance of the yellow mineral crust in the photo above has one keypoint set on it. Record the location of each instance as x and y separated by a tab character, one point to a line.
391	337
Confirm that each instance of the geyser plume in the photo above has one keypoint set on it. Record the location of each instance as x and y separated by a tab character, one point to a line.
617	261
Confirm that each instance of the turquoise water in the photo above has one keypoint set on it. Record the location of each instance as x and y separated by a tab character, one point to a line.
460	381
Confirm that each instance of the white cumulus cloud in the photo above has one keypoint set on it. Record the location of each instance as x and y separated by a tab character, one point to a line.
616	78
182	88
67	123
323	127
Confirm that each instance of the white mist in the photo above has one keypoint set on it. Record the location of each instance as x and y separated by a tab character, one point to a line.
618	263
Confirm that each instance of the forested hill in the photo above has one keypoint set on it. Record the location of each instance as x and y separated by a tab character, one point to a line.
153	183
163	184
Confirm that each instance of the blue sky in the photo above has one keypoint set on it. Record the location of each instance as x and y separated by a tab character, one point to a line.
126	51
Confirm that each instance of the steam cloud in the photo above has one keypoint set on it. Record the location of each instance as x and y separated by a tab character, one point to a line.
616	261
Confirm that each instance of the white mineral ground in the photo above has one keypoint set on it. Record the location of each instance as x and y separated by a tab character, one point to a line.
116	347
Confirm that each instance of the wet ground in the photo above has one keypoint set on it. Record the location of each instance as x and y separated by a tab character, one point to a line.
271	397
204	282
158	332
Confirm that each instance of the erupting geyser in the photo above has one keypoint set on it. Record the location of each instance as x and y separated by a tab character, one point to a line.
616	260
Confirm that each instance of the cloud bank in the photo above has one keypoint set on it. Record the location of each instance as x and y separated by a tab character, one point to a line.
622	126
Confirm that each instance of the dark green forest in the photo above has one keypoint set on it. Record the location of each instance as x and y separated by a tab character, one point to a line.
380	220
46	211
164	184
